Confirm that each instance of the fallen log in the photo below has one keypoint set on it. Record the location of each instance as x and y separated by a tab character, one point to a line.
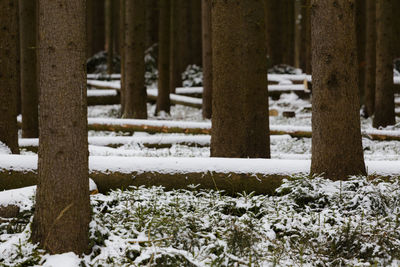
103	97
261	176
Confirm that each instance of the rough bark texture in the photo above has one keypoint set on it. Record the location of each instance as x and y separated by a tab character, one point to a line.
151	22
384	90
135	90
62	214
29	88
207	59
163	102
9	80
109	35
370	59
240	96
336	142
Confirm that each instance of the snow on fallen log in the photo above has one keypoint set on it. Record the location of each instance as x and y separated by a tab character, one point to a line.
262	176
101	76
103	97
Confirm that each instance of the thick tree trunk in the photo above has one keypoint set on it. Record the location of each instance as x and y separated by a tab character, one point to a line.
109	34
163	102
288	30
207	58
29	88
273	22
240	96
151	22
370	59
62	213
336	143
135	93
384	91
9	80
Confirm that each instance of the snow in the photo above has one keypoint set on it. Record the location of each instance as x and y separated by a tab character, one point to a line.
93	93
69	259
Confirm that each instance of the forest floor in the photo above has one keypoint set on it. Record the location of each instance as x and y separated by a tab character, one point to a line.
308	222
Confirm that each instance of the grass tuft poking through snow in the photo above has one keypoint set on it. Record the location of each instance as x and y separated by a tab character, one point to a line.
309	222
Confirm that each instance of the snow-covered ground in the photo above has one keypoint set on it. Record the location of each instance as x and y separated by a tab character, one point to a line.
308	222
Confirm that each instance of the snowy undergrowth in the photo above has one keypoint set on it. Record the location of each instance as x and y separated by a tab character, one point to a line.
309	222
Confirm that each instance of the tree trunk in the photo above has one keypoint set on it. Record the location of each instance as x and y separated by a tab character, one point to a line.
273	21
9	80
163	102
384	91
109	28
297	34
207	58
184	40
195	30
135	93
98	29
240	96
89	27
115	23
122	29
336	143
62	213
287	9
151	22
29	88
175	79
361	39
370	59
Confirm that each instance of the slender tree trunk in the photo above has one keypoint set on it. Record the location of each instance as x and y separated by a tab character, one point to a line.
122	29
361	39
273	21
109	28
175	75
384	91
336	142
184	40
29	88
308	51
195	24
98	29
288	30
151	22
135	94
370	59
163	102
9	80
303	36
115	23
297	35
240	97
207	59
62	213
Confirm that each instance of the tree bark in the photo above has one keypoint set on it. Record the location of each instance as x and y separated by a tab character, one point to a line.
151	22
9	80
122	29
370	58
98	29
195	30
207	59
384	91
135	93
109	34
287	9
175	79
62	213
240	96
336	143
29	88
163	102
361	39
273	31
